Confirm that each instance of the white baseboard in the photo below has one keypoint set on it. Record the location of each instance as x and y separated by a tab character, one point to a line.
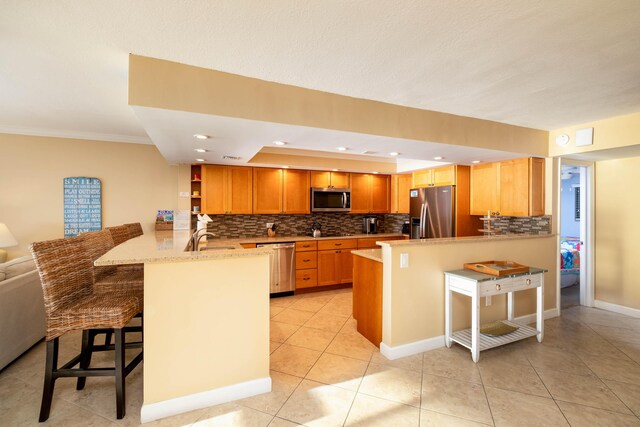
179	405
531	318
415	347
620	309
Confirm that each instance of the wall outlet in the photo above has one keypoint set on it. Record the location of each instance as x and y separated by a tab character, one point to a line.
269	224
184	194
404	260
487	300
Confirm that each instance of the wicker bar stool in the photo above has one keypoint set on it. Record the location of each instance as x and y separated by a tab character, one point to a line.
71	303
111	278
119	234
135	229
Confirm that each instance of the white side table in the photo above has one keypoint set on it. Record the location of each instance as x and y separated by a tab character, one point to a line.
476	285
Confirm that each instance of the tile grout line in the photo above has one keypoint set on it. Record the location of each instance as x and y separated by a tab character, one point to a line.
484	389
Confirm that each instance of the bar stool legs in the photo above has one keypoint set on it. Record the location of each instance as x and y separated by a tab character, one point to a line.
120	371
51	366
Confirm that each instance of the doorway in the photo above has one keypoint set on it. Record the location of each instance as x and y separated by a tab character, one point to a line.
576	213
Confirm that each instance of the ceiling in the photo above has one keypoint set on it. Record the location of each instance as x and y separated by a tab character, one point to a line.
544	64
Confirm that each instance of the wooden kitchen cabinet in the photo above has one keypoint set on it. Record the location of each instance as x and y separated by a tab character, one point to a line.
370	193
485	188
508	188
335	267
267	191
400	187
226	189
522	187
324	179
278	191
435	177
307	278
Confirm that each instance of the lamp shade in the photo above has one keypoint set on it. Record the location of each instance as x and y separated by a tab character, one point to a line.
6	238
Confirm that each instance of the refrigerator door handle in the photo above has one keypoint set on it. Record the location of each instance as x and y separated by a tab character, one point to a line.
423	221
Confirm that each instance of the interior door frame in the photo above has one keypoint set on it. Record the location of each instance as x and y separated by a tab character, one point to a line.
587	229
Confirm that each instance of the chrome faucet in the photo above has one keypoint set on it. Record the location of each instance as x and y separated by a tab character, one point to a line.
196	236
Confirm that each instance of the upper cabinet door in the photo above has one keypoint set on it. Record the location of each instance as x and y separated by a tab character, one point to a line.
514	187
296	194
400	187
214	189
360	193
445	175
320	179
380	186
267	191
485	188
536	186
239	189
422	178
340	179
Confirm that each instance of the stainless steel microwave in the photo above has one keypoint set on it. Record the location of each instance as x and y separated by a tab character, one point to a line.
330	200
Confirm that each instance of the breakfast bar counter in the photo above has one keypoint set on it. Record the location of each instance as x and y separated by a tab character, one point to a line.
206	322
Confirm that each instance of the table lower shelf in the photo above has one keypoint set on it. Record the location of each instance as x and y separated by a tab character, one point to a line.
486	342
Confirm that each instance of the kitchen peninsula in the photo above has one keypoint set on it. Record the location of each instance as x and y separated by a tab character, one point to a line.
206	321
406	302
206	329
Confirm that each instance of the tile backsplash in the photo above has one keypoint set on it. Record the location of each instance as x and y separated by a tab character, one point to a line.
239	226
523	225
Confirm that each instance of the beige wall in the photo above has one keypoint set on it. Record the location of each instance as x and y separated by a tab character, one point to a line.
617	250
169	85
136	182
206	325
416	295
614	132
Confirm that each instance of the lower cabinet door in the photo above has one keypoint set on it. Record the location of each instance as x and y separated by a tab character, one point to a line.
344	267
306	278
327	273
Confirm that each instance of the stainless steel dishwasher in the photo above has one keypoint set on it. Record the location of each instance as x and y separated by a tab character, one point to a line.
283	266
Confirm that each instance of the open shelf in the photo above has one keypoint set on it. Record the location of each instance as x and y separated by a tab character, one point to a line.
486	342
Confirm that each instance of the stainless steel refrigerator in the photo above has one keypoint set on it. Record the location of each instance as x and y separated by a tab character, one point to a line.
432	211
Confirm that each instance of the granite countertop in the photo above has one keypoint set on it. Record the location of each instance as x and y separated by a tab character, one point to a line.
373	254
216	242
467	239
166	246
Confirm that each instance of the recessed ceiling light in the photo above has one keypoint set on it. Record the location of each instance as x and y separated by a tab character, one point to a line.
201	136
341	148
200	160
393	153
279	142
475	161
438	158
200	150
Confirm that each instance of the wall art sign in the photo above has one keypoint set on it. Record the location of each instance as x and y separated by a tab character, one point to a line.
82	205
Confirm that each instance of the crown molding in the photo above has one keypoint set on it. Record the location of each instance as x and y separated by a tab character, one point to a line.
57	133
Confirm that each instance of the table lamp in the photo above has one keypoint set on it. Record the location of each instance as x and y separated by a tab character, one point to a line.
6	240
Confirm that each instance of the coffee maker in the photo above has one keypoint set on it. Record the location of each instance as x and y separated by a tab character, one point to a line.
371	225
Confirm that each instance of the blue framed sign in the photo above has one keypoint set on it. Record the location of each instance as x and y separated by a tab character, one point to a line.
82	205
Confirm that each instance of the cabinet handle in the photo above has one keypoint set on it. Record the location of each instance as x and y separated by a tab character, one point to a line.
306	246
338	244
306	260
498	287
306	278
528	282
338	252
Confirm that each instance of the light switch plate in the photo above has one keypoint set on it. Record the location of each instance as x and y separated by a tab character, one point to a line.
404	260
184	194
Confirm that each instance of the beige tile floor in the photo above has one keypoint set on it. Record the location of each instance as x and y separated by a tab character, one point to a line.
586	372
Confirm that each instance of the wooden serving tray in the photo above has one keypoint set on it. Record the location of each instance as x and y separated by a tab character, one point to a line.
497	268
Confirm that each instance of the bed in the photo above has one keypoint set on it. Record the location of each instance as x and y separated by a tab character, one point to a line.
569	261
